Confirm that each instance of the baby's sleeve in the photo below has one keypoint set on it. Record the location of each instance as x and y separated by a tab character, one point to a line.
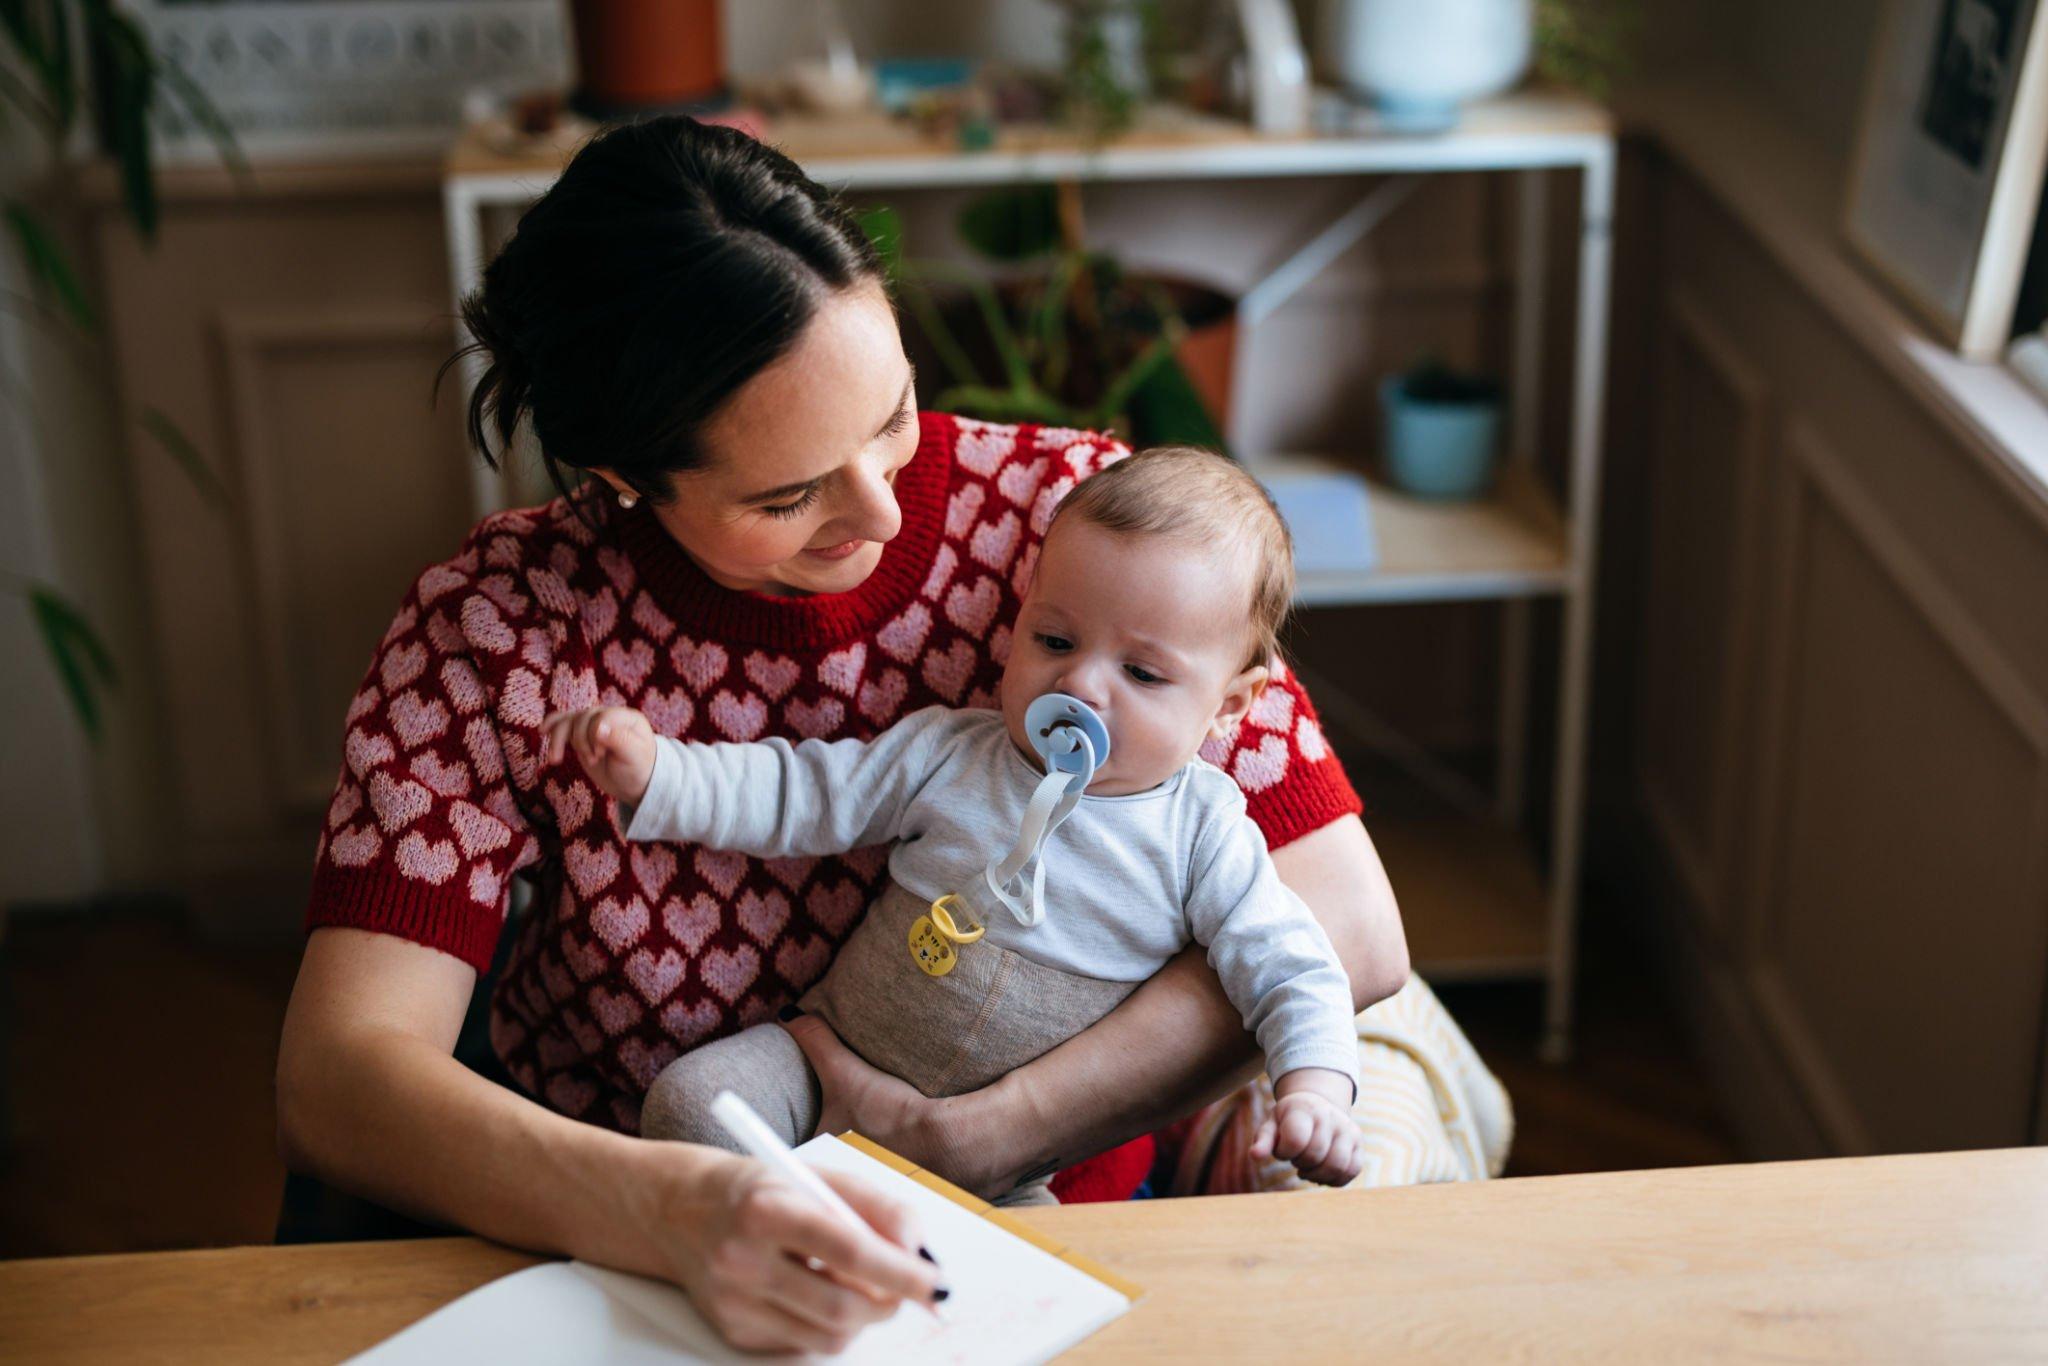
773	799
1276	963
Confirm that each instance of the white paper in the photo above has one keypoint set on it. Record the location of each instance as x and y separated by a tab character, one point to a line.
1011	1303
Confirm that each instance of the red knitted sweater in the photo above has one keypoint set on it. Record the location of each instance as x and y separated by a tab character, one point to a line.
633	953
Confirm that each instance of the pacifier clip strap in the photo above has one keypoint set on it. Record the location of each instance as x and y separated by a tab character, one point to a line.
1055	798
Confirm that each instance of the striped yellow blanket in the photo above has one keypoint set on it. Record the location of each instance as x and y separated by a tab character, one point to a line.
1428	1107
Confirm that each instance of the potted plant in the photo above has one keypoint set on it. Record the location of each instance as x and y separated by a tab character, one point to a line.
1418	61
647	56
1441	431
1059	333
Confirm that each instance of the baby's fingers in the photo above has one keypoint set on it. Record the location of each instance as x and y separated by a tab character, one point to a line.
1262	1142
557	729
1297	1125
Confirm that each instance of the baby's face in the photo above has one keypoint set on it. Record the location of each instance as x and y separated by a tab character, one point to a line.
1148	632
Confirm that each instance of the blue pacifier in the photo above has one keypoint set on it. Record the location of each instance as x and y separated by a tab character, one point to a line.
1073	743
1067	734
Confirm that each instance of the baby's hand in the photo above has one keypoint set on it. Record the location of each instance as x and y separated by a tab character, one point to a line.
615	745
1312	1127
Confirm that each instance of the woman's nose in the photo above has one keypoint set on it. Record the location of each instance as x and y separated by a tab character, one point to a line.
872	512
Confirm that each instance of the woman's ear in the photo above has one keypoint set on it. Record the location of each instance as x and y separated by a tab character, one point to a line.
1239	695
618	485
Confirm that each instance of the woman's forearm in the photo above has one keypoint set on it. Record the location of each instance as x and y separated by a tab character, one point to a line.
405	1124
1177	1042
370	1099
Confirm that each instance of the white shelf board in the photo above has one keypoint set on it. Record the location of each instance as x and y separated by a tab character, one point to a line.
869	150
1513	543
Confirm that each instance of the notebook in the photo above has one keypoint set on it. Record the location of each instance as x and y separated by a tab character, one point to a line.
1017	1297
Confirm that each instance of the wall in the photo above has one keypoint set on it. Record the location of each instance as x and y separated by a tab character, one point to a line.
75	820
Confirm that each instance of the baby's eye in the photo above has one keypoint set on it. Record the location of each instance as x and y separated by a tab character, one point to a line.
1059	645
1142	674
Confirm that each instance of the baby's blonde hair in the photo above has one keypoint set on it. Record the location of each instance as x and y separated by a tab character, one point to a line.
1203	499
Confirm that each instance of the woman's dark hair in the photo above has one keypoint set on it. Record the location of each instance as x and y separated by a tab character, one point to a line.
670	264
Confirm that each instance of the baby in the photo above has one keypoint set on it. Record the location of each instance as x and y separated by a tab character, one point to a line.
1155	601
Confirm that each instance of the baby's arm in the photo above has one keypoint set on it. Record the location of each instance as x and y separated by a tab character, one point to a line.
770	798
1278	968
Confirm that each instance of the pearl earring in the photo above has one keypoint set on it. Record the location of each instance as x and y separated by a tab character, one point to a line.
627	500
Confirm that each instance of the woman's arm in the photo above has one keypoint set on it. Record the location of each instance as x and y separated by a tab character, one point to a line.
371	1098
1115	1080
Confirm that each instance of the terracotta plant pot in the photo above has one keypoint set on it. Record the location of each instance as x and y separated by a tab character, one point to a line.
648	56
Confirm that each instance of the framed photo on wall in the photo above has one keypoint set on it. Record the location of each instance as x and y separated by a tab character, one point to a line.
299	79
1947	173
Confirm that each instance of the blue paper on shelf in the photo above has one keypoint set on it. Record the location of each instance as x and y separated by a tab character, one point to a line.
1328	509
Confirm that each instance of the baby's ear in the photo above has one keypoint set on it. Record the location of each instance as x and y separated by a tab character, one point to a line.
1239	695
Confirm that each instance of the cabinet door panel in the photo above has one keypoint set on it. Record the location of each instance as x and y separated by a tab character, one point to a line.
1901	938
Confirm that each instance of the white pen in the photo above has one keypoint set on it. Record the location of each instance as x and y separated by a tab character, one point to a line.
751	1132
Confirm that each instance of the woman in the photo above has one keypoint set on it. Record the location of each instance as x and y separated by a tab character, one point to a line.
773	541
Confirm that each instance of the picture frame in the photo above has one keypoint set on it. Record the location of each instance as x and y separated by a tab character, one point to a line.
1946	177
323	79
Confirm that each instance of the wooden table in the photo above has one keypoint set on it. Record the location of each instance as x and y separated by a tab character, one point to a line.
1910	1259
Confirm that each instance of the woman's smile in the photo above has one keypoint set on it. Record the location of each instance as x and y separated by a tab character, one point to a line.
836	552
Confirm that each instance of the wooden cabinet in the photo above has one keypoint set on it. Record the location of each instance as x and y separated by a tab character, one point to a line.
1842	741
292	331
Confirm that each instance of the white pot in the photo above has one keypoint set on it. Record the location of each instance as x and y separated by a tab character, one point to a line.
1418	60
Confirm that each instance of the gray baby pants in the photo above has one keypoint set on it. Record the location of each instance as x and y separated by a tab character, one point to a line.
994	1012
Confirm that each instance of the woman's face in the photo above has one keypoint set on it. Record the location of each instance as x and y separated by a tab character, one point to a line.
796	496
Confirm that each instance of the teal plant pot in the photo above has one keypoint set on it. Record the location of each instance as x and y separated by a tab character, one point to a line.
1437	448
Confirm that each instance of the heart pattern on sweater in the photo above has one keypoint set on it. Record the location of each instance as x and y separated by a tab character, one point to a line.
729	974
738	718
701	665
1258	769
619	924
814	720
972	611
655	976
841	670
692	923
905	635
774	676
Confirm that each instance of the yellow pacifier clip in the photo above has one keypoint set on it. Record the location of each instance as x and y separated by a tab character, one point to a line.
934	934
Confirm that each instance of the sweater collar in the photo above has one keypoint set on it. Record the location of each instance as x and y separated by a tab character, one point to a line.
704	607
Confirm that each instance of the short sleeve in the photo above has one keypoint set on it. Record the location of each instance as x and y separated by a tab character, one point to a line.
424	831
1279	758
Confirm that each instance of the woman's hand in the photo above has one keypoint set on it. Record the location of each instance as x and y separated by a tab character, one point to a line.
861	1097
775	1272
614	744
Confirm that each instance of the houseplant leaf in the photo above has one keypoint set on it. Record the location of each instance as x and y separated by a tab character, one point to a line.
1012	224
1165	409
48	264
83	665
182	450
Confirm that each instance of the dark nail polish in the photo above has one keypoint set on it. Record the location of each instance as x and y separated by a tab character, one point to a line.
787	1013
941	1295
926	1253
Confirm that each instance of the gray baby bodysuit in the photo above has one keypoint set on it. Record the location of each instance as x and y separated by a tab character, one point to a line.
1129	880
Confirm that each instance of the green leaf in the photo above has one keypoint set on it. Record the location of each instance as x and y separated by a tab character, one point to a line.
1012	224
124	78
83	665
936	330
1166	410
1000	332
48	264
206	114
181	449
884	227
1116	399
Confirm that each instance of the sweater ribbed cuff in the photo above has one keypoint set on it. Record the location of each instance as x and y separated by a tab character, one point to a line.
383	901
1312	797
